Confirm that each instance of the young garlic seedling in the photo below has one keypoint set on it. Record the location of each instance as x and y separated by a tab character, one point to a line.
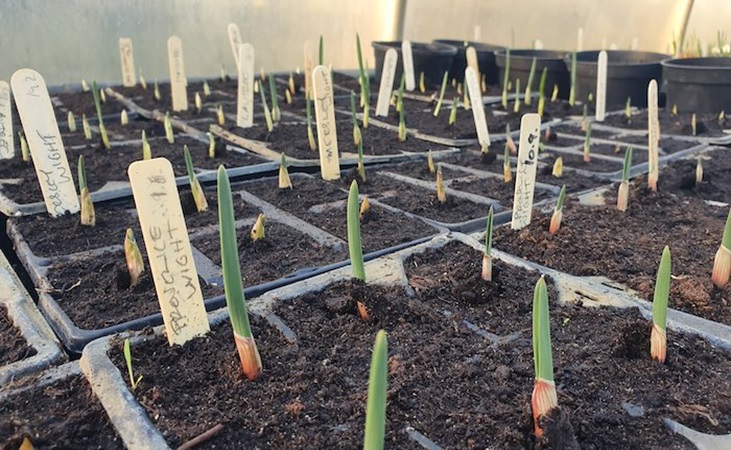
354	243
528	100
357	136
220	116
557	212
623	192
453	111
483	84
507	173
516	103
557	170
441	194
156	92
85	126
71	122
554	94
628	109
24	152
133	257
265	107
693	124
168	125
375	426
233	287
674	111
124	118
257	231
284	181
88	217
509	141
198	103
541	92
722	260
361	163
487	255
722	117
276	114
658	337
143	82
310	133
402	126
365	206
441	94
365	83
422	83
587	145
287	97
211	145
146	150
572	90
698	171
102	96
506	79
290	84
544	397
102	128
430	162
585	118
206	89
84	86
199	196
133	382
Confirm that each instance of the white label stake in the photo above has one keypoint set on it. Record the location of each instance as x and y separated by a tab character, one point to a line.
478	109
601	86
525	179
327	138
234	38
44	141
7	147
653	133
408	56
127	59
386	88
245	106
178	82
471	55
168	249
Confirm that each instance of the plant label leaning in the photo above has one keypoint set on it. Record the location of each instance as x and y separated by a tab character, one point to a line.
525	179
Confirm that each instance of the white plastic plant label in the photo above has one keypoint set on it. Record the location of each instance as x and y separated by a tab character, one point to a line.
7	145
127	61
471	55
601	86
386	88
408	56
234	39
525	179
327	139
178	81
245	98
653	134
478	108
44	141
168	249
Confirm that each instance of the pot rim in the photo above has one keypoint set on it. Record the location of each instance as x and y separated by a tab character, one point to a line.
528	54
481	47
688	63
660	58
418	47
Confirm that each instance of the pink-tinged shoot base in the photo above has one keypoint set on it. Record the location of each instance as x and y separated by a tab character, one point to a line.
486	267
721	267
249	356
658	344
544	399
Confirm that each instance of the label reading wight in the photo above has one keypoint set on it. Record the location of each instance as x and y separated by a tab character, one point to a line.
178	82
44	141
327	139
127	59
525	180
387	76
7	149
245	106
168	249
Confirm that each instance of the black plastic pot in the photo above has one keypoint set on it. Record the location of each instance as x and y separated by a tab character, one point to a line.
700	85
431	58
485	59
520	62
628	74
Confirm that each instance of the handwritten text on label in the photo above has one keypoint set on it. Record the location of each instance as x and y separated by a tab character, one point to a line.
525	180
178	82
387	76
245	107
127	59
325	115
7	149
234	38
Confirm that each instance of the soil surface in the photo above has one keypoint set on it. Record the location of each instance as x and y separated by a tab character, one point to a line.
283	251
312	393
65	414
13	346
576	161
95	292
678	177
707	125
626	247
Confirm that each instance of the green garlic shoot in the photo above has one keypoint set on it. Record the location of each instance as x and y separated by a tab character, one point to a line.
400	93
441	94
554	94
199	196
529	85
102	128
356	129
557	170
722	117
71	122
88	218
290	84
265	107
441	193
509	140
693	124
128	359
156	92
516	104
133	257
310	133
430	162
401	126
220	116
287	97
375	427
257	231
206	89
623	192
361	163
85	126
585	118
322	52
506	80
674	110
168	124
544	397
354	243
146	150
365	206
628	109
363	75
587	144
487	256
124	118
507	173
276	114
422	83
572	90
233	286
84	86
541	92
722	260
284	181
198	103
557	212
211	145
453	111
102	96
24	152
658	337
698	171
143	82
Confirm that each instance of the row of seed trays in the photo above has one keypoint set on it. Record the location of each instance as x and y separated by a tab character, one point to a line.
371	318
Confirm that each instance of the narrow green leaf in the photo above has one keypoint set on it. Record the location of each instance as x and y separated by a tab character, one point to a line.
82	173
529	85
662	290
561	196
488	233
375	428
322	52
572	91
354	243
441	93
726	241
506	78
542	355
627	163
